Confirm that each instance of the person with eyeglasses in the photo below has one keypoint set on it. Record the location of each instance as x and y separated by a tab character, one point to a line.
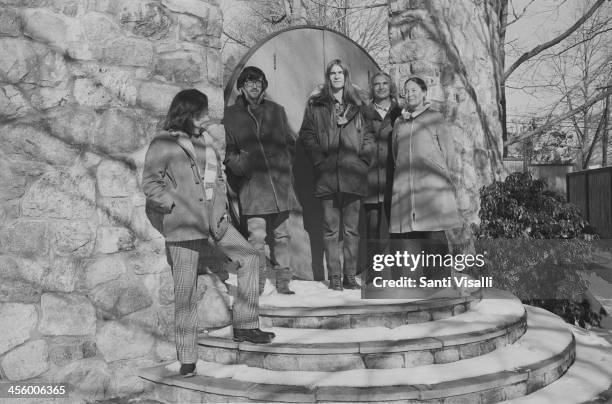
259	152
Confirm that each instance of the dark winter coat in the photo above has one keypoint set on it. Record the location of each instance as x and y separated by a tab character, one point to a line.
176	200
259	151
340	153
380	171
424	195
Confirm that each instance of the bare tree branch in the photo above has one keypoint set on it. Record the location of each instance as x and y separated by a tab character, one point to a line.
518	16
584	40
563	117
538	49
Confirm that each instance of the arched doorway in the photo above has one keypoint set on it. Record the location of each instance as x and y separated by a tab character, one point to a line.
294	61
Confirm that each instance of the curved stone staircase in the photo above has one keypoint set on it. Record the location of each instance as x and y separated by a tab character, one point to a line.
482	348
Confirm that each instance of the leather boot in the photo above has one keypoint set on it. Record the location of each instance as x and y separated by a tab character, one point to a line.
283	277
349	282
336	282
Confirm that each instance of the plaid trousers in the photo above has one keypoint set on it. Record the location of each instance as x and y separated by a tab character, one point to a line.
183	257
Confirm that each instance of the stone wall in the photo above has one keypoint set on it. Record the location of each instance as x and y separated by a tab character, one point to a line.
85	291
452	45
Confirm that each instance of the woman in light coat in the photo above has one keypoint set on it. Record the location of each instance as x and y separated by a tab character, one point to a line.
423	196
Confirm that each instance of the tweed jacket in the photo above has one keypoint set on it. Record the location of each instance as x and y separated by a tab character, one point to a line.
176	202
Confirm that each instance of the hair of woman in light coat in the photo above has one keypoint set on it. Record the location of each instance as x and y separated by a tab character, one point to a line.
185	106
349	93
392	87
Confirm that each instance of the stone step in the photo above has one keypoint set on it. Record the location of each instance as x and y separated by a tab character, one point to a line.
317	307
492	323
542	355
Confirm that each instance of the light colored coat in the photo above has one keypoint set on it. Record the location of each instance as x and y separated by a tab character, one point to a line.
423	196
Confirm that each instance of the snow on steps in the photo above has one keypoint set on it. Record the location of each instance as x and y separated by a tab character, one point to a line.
315	306
494	322
538	358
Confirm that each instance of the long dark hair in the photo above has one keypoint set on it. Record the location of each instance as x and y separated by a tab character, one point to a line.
185	106
349	93
392	86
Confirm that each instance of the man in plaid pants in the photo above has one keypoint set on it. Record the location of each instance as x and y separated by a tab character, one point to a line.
186	202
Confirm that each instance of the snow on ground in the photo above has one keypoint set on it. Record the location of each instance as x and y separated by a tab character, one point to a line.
497	307
546	336
317	294
590	374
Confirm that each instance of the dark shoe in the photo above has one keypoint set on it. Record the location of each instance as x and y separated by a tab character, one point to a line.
188	370
336	282
283	277
253	335
349	282
269	334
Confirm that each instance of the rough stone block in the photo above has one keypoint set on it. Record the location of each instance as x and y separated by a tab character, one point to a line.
26	238
12	185
63	350
213	309
323	363
89	378
12	102
515	391
73	238
10	22
218	355
48	27
384	361
124	381
446	355
74	126
35	149
19	291
157	96
116	341
45	98
215	22
17	320
116	179
440	314
103	269
92	94
417	317
145	19
125	51
253	359
66	314
122	130
121	296
191	28
115	211
197	8
17	58
459	309
99	29
50	71
61	275
114	239
61	195
148	262
186	65
27	361
418	358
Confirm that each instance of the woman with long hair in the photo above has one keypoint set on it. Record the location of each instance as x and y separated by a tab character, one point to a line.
423	198
337	138
187	204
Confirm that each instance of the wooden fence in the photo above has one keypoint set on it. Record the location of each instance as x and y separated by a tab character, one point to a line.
591	191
